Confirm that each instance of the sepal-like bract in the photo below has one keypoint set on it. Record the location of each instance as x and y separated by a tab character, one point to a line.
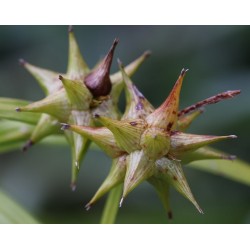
171	172
115	177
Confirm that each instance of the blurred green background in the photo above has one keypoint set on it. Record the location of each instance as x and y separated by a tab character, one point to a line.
218	58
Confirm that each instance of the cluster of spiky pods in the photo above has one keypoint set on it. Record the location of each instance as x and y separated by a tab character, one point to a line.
145	144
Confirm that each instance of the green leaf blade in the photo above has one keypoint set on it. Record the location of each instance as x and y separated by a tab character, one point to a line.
13	213
236	170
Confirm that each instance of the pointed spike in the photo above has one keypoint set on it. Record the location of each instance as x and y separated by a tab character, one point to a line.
147	53
27	145
137	105
87	207
102	136
8	110
55	104
230	157
47	79
121	202
170	215
171	171
114	178
78	94
70	28
77	67
162	189
98	81
182	142
184	71
117	79
73	186
139	168
22	62
120	64
211	100
75	157
65	126
79	144
77	165
204	153
166	115
47	125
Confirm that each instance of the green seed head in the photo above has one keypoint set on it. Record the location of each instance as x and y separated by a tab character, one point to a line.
144	143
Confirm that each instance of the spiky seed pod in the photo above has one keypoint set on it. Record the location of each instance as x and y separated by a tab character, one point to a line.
145	143
154	148
74	97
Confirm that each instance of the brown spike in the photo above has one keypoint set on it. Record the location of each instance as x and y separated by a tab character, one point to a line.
165	116
211	100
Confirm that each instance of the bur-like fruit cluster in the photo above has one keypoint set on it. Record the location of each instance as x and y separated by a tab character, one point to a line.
145	143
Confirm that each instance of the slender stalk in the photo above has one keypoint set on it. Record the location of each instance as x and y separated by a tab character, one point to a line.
112	205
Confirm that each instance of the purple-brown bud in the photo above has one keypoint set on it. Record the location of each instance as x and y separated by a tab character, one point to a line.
98	81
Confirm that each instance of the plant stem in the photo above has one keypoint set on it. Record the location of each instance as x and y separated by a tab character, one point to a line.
112	205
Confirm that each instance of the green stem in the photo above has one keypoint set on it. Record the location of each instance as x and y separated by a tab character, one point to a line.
112	205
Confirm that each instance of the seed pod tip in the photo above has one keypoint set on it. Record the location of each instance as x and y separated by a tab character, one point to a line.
233	136
87	207
184	71
147	53
116	41
65	126
230	157
170	215
120	63
77	165
70	28
121	202
22	62
73	186
27	145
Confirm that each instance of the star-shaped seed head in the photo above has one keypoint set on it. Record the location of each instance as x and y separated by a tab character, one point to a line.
153	144
75	96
